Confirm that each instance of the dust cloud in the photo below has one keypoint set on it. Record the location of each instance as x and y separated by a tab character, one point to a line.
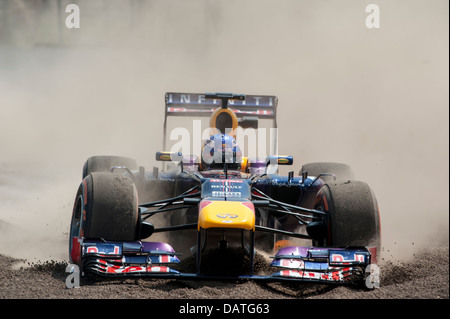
376	99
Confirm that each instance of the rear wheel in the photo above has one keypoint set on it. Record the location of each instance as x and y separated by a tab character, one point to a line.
105	163
106	207
352	215
342	171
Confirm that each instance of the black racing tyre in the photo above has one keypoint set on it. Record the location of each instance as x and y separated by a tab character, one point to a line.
352	214
342	171
104	164
106	207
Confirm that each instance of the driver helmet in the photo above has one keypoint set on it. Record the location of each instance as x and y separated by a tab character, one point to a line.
220	149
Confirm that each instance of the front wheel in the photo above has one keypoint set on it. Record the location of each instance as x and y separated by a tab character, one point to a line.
106	207
352	215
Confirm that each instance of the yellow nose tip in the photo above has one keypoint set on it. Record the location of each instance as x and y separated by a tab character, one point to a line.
226	214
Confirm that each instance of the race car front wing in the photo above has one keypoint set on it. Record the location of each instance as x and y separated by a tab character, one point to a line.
154	259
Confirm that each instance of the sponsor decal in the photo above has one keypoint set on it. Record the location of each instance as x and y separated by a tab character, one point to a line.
227	215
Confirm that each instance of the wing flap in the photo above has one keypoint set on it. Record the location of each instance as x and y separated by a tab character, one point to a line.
198	104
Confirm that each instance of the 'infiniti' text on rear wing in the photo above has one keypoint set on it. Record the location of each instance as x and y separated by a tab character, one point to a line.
195	104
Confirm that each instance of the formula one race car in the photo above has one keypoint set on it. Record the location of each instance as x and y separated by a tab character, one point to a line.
220	211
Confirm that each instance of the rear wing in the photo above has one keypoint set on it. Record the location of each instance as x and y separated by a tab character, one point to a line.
195	104
204	104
